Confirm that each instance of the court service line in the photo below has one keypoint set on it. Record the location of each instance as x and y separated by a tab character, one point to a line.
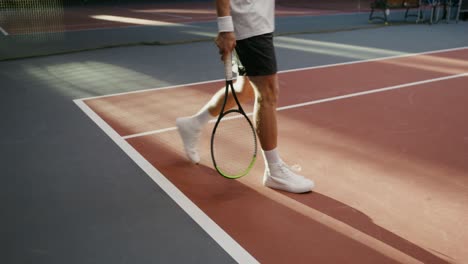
4	31
234	249
285	71
319	101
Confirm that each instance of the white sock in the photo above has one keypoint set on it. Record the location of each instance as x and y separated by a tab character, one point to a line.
271	156
203	116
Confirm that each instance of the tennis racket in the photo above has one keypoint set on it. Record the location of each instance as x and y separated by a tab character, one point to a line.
233	139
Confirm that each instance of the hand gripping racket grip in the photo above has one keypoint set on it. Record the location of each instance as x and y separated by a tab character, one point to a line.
228	67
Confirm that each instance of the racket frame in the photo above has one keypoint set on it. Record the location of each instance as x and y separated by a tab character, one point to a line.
240	110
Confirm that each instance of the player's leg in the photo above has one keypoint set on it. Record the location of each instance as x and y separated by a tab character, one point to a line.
257	55
265	109
277	174
244	93
190	127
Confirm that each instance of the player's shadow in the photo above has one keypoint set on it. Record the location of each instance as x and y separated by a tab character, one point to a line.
363	223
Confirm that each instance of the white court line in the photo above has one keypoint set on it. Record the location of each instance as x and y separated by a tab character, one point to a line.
217	233
4	31
280	72
330	99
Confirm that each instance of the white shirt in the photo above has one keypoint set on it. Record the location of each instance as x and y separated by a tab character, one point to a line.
252	17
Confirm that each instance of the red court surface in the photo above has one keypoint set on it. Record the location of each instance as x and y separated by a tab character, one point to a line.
59	19
385	140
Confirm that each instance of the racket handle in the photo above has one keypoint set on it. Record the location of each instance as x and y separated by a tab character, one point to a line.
228	67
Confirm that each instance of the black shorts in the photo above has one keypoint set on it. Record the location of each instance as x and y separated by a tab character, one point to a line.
257	55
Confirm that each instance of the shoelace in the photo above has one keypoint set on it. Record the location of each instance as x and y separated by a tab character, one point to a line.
286	170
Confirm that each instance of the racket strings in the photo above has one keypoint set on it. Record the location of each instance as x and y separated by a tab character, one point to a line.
234	145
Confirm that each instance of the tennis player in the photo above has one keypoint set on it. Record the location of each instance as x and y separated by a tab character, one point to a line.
247	26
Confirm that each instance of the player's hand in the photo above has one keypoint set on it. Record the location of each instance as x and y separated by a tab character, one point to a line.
226	42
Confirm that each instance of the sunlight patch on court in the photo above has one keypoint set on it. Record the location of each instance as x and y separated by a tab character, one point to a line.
332	48
370	179
424	62
178	11
201	33
136	21
91	78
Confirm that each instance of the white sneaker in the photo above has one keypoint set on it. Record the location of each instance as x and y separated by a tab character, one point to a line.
280	176
189	131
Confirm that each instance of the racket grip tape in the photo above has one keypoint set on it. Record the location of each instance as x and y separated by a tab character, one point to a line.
228	66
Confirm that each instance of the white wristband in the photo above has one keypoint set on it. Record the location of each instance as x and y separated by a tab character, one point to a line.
225	24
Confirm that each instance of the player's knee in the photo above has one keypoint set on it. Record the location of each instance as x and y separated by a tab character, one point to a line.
269	93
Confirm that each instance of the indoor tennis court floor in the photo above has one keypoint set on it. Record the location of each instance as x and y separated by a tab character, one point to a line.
377	147
93	170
